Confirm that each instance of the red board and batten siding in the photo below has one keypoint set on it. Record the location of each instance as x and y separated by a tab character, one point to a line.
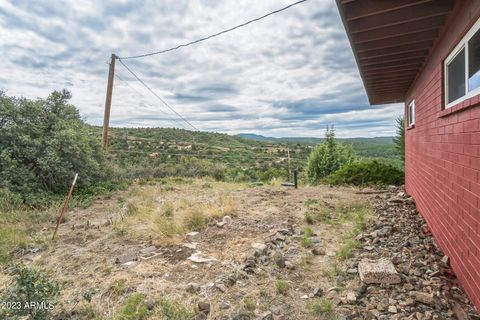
443	159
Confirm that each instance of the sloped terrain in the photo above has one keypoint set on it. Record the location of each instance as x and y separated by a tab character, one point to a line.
183	249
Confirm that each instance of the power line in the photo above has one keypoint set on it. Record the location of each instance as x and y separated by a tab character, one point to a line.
215	34
173	121
156	95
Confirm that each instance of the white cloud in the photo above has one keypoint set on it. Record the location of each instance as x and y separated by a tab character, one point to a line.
290	74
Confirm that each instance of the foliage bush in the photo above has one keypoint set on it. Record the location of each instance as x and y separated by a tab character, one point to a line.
366	172
42	144
328	157
173	310
135	308
399	139
282	287
33	294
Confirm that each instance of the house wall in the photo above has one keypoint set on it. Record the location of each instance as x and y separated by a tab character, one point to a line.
443	158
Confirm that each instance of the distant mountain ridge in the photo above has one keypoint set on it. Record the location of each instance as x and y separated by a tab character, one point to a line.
311	140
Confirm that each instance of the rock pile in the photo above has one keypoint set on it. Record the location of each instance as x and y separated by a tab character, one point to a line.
427	288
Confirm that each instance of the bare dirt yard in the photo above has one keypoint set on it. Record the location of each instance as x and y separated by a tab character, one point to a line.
192	249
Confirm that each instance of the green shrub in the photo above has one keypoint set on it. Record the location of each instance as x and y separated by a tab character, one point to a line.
328	157
9	200
282	287
366	172
33	293
173	311
249	303
134	308
43	143
308	231
324	307
399	139
309	218
306	241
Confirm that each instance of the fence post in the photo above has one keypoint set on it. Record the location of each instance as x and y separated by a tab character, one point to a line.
295	178
59	219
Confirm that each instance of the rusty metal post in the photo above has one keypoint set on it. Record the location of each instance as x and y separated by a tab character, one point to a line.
108	102
59	219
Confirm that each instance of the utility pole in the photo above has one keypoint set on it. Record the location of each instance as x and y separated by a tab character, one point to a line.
108	102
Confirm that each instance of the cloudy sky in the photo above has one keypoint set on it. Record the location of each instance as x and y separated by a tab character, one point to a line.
290	74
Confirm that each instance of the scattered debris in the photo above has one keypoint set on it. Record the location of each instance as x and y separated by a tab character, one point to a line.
193	236
226	220
197	258
148	250
128	257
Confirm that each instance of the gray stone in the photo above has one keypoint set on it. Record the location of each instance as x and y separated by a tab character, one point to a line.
148	250
128	257
351	297
192	287
315	239
458	311
318	251
193	236
317	292
422	297
352	271
260	248
378	271
392	309
279	260
204	307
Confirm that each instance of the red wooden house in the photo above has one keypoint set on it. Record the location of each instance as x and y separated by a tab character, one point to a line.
426	54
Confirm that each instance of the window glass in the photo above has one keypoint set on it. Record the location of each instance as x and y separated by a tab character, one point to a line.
411	113
474	62
456	77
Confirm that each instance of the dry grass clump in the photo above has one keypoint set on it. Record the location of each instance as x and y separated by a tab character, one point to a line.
195	220
224	206
144	218
151	213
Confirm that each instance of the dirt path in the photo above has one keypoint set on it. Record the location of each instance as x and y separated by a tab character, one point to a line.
278	281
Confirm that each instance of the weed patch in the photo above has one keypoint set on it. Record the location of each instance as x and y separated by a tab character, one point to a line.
135	308
323	308
195	220
282	287
168	310
249	304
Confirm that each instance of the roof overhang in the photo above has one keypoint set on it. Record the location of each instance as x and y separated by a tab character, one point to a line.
391	40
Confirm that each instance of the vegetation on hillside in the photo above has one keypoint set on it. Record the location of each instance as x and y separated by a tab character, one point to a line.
43	143
327	157
335	163
366	172
399	139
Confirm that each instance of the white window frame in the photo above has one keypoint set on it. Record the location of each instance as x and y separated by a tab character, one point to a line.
462	44
411	115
